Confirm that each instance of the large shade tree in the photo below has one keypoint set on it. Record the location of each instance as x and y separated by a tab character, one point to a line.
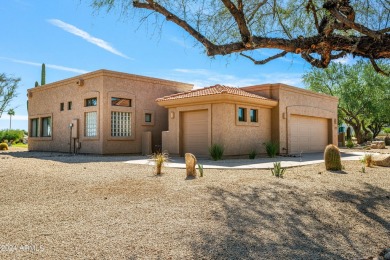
8	86
317	30
364	95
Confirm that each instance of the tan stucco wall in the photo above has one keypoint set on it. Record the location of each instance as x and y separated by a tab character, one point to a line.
103	84
237	138
297	101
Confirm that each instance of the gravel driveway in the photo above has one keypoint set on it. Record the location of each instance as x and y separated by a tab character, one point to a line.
98	207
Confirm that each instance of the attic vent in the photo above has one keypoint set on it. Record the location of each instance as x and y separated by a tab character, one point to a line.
80	82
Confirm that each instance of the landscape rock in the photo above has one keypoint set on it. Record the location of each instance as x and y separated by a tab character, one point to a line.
381	160
378	145
387	256
190	165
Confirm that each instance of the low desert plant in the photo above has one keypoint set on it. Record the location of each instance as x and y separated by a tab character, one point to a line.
271	148
200	168
367	159
252	154
349	143
159	159
3	146
332	158
216	151
278	171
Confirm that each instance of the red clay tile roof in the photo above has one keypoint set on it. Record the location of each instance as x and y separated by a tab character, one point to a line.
213	90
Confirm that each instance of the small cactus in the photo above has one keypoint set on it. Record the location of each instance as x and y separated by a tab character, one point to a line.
332	158
200	168
278	171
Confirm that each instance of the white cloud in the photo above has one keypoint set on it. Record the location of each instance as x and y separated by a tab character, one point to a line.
204	78
5	116
52	66
86	36
347	59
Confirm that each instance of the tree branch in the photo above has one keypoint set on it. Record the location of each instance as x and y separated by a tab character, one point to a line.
252	15
331	7
377	69
151	5
239	17
310	6
261	62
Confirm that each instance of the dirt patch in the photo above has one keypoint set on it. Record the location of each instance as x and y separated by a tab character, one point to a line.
70	207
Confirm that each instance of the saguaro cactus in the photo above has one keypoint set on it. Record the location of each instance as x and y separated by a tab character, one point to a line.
332	158
43	74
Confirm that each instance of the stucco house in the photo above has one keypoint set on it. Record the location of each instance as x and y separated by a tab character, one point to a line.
107	112
243	119
102	112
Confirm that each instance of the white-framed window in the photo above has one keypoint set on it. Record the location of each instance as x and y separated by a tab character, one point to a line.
90	124
46	126
34	127
120	124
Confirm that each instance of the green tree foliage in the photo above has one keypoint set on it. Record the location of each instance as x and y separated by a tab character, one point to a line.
8	86
14	135
317	30
364	95
43	74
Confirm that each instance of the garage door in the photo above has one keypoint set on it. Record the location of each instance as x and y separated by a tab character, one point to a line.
195	132
308	134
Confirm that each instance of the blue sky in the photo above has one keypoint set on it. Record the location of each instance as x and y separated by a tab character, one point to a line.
71	39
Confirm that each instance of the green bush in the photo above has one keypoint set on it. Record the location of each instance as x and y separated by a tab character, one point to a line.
12	135
216	151
278	171
332	158
349	143
271	148
252	154
3	146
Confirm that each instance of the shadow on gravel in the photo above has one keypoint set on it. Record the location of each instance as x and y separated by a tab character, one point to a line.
69	158
282	222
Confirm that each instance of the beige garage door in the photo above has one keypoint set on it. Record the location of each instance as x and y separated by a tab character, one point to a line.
308	134
195	132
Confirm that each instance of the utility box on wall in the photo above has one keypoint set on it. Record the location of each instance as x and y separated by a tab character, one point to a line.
75	128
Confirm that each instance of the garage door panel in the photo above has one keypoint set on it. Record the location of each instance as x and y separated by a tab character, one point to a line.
308	134
195	132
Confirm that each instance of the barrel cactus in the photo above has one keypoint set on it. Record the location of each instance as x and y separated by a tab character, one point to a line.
332	158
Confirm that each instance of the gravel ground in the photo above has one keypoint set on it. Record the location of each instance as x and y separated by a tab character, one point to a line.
55	206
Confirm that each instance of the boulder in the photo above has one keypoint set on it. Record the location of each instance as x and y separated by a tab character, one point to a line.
382	160
190	165
378	145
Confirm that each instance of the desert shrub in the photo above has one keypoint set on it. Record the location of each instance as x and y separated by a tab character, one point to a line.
332	158
216	151
159	159
3	146
252	154
278	171
349	143
367	159
200	168
271	148
12	135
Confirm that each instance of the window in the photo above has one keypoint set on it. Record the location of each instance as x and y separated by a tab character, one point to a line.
46	126
148	117
90	124
70	105
91	102
253	115
120	123
242	114
34	127
62	107
123	102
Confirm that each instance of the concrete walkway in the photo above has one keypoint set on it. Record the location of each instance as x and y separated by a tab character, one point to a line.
258	163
